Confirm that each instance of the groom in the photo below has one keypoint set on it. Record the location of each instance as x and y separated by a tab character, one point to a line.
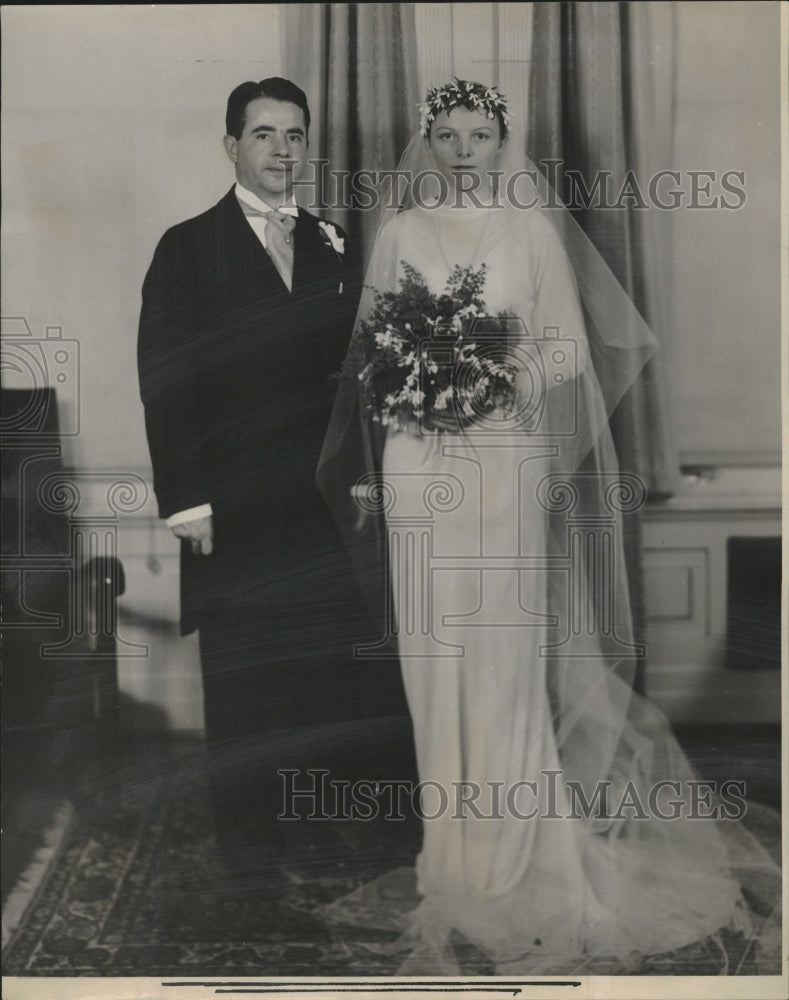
247	311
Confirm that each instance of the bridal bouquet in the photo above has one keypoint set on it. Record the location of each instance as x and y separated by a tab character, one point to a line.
438	361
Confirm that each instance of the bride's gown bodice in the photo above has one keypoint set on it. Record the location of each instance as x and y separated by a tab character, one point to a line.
527	272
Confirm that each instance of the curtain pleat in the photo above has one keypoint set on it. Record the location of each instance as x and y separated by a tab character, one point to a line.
357	63
601	102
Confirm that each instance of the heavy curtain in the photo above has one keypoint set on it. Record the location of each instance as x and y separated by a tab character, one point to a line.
601	105
601	102
357	64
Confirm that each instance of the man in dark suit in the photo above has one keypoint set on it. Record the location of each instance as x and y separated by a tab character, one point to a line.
247	311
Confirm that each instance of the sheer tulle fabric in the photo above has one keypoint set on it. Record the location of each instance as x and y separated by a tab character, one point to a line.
524	673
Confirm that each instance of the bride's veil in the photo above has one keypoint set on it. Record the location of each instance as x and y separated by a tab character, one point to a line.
605	733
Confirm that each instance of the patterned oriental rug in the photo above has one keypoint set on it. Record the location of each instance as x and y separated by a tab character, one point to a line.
133	890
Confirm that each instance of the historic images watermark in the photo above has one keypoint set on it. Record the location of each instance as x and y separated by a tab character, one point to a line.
551	186
313	795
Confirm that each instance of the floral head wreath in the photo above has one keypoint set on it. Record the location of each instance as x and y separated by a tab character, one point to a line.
462	93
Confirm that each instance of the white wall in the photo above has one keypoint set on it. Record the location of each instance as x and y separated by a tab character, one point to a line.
113	120
112	125
726	345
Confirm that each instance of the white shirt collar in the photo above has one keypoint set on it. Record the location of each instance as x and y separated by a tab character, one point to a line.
250	198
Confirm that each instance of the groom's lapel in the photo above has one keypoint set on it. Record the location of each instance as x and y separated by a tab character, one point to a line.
239	251
314	261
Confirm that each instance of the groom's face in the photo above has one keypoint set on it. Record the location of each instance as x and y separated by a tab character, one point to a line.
272	150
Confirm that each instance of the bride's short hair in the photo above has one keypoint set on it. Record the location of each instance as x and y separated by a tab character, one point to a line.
467	94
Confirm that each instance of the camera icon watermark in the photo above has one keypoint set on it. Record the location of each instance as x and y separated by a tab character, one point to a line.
497	377
40	365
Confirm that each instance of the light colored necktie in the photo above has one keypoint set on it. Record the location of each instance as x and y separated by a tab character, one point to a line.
279	241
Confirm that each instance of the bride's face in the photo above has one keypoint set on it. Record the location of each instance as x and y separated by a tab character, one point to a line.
466	142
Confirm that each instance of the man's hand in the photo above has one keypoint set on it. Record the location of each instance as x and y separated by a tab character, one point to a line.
200	533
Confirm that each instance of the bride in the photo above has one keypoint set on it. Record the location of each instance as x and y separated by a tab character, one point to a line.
560	818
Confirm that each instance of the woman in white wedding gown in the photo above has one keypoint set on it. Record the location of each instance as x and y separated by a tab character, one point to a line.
511	607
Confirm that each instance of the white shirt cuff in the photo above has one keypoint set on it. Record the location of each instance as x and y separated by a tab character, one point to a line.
191	514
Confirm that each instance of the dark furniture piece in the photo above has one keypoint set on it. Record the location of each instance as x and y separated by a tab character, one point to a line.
753	639
59	706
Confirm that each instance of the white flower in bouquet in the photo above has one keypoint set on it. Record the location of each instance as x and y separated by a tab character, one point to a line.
417	363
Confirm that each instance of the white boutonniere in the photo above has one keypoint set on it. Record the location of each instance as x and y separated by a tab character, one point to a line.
332	237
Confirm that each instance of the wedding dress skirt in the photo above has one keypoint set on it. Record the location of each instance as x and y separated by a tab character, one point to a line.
521	872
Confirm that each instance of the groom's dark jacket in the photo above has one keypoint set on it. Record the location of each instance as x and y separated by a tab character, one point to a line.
236	380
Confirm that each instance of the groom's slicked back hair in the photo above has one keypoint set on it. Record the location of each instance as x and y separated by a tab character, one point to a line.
275	87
